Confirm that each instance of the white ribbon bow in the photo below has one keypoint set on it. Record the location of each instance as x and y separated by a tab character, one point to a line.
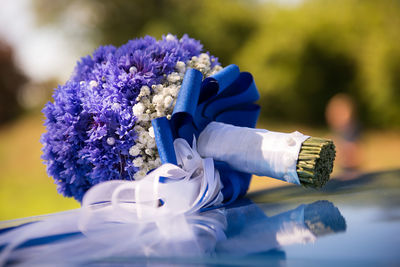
168	190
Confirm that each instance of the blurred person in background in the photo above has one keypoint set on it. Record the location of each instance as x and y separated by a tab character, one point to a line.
342	119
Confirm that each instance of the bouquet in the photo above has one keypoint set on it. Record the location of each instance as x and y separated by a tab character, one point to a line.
166	111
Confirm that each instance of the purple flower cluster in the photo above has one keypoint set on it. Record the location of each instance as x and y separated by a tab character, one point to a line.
90	123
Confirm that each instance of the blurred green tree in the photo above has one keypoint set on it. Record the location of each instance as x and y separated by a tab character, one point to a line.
303	56
300	54
223	26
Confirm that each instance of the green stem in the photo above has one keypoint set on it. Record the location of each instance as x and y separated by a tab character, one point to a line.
315	161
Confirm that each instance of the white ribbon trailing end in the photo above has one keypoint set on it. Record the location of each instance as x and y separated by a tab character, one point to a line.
167	191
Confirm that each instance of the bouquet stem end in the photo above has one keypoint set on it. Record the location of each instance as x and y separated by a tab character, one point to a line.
315	162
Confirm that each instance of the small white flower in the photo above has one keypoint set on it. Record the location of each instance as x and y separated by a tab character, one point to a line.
144	117
173	90
180	66
201	66
154	115
148	151
140	174
168	101
138	109
157	99
110	141
151	143
145	90
158	88
174	77
154	164
115	106
151	132
145	101
204	58
157	161
143	136
132	69
170	37
134	151
93	84
138	128
138	162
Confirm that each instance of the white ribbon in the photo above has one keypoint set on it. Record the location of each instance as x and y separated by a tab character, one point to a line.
255	151
167	191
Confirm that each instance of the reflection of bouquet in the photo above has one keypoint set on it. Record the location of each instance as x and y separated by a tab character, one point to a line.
120	112
99	126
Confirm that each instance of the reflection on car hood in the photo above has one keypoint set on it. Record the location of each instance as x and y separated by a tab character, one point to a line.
348	222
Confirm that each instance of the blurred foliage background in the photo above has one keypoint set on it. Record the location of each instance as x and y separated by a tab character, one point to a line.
301	53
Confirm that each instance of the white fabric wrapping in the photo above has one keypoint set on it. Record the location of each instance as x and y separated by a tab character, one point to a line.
255	151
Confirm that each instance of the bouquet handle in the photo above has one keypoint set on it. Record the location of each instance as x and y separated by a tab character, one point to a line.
291	157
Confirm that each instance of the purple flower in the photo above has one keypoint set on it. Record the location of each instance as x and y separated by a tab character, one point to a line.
90	123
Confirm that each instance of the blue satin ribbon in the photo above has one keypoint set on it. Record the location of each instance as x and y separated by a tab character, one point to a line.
228	97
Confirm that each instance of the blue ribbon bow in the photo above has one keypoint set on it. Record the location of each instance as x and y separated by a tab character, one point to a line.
228	97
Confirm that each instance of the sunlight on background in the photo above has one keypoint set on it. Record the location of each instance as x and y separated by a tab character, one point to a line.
325	68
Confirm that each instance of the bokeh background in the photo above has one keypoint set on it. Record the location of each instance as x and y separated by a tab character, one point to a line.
324	67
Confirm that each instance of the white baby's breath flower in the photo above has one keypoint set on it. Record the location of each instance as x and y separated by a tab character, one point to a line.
158	102
148	151
142	138
140	174
157	99
170	37
180	66
138	128
138	109
138	162
145	101
154	115
132	69
115	106
144	91
140	146
173	90
159	88
93	84
173	77
204	58
151	143
134	150
144	117
110	141
168	101
151	132
201	66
